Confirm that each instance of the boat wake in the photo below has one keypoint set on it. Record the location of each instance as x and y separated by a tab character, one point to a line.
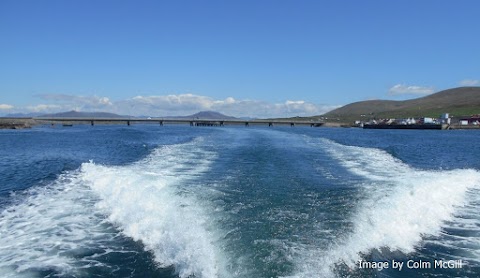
404	208
66	227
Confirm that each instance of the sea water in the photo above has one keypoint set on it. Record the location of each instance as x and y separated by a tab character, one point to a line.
180	201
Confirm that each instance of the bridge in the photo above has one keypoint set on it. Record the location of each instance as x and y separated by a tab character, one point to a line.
163	121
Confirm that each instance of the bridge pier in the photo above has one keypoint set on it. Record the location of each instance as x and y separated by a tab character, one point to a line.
292	124
91	123
161	123
221	123
192	123
128	123
270	124
246	124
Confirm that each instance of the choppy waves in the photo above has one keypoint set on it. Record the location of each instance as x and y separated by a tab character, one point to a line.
297	215
404	208
48	226
63	228
143	201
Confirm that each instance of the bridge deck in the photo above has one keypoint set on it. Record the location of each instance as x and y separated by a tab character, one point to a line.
162	121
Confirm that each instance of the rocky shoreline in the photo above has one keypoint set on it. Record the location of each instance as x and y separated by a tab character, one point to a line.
16	123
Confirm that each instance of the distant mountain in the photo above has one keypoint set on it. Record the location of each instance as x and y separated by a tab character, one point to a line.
206	115
462	101
77	114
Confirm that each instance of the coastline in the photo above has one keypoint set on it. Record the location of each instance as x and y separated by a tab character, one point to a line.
17	123
22	123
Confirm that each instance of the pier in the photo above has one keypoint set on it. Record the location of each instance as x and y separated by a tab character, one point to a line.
165	121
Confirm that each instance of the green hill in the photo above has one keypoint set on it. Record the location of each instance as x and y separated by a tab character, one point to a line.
463	101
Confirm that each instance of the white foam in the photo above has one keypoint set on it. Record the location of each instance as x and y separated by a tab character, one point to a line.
145	202
149	201
404	206
50	223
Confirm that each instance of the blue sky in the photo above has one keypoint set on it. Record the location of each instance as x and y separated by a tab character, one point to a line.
243	58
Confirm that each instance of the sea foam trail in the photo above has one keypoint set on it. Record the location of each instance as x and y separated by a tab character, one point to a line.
48	226
404	205
146	203
61	228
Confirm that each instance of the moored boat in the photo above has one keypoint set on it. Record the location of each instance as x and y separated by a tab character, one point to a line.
410	126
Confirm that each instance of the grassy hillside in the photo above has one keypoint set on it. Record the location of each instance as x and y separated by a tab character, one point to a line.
463	101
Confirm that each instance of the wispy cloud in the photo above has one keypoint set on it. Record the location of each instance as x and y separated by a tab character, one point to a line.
469	82
44	108
172	105
52	103
184	104
402	89
79	101
6	106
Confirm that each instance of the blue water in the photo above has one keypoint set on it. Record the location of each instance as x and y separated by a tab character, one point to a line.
181	201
